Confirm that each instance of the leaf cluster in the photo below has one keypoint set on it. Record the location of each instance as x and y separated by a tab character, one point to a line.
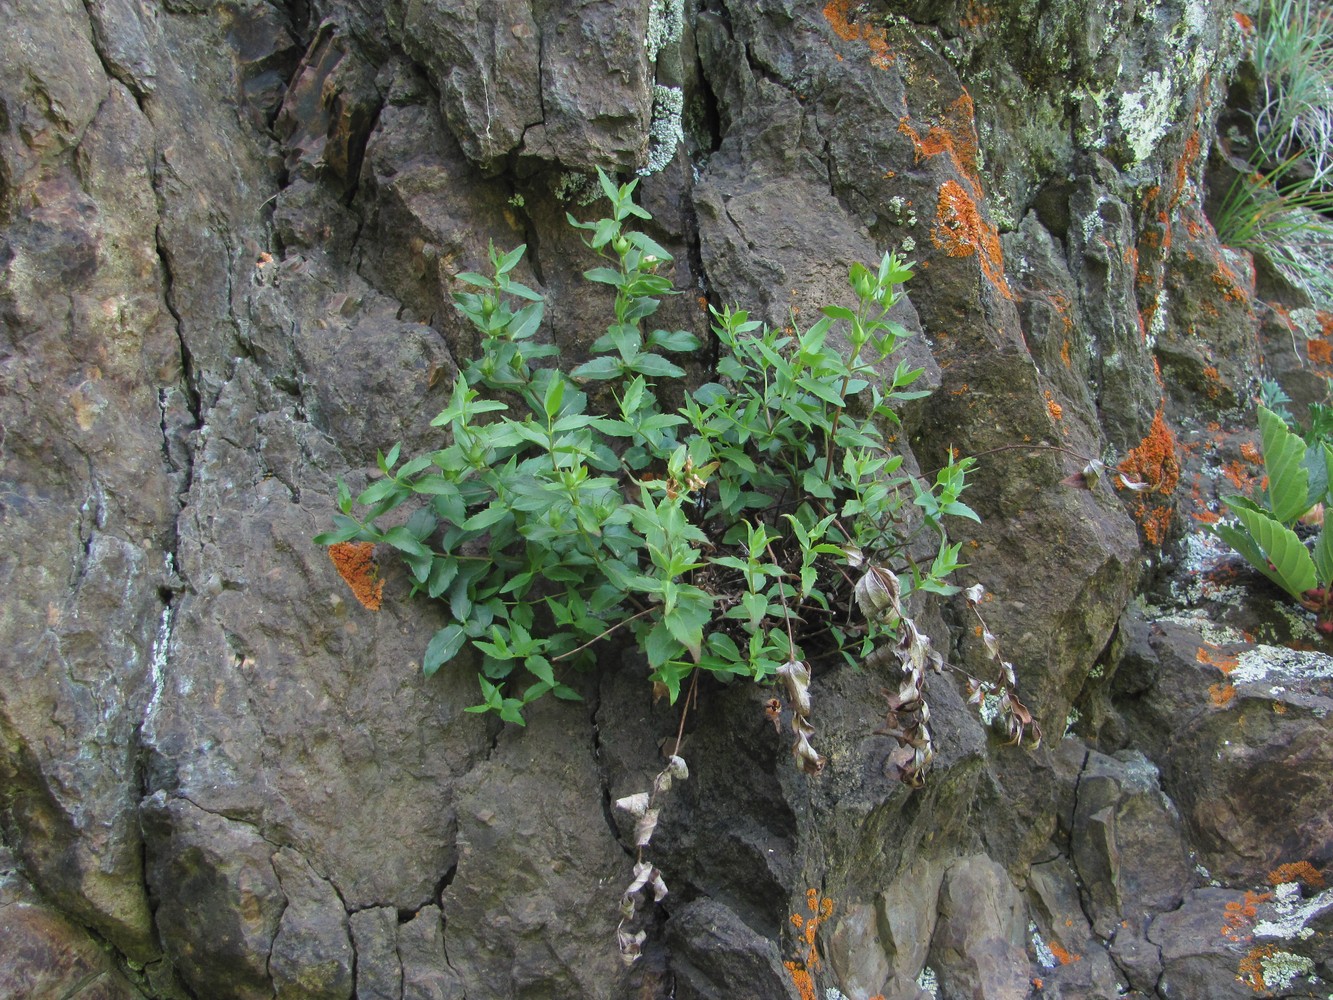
1298	479
727	535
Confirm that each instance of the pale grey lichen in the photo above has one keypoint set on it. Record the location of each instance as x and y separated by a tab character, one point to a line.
1280	663
927	981
1291	914
666	20
1045	957
665	131
1281	969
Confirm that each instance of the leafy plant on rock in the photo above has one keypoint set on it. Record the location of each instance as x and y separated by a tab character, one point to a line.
1264	529
1280	207
732	536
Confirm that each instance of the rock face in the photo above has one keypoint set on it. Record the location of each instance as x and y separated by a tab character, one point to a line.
228	238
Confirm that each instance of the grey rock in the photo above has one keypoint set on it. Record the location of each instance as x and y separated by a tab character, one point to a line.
714	954
379	969
218	901
312	953
1127	843
978	947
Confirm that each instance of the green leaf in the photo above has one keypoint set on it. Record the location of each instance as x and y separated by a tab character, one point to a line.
1323	555
484	519
1284	558
654	364
510	260
444	646
1288	479
673	340
599	369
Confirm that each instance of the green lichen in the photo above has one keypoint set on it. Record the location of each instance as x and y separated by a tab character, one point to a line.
575	187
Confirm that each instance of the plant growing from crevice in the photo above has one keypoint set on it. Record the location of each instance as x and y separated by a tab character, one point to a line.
733	536
1280	205
1264	530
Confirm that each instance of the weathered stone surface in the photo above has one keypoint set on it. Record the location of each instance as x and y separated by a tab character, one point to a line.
1127	844
218	900
48	955
427	972
1073	963
714	954
312	954
1241	733
978	947
533	903
228	237
379	969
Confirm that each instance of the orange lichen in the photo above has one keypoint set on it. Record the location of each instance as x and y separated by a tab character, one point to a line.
1319	351
1244	20
1297	871
1229	284
1251	968
1064	354
800	978
838	13
1153	462
355	563
962	232
1061	955
955	134
1240	915
1223	662
1154	467
799	969
1056	411
1221	694
1238	475
1250	452
1212	382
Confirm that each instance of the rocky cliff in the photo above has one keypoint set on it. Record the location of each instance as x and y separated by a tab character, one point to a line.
228	237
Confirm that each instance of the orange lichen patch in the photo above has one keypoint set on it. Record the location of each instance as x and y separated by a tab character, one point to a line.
1221	694
1240	915
799	969
955	134
1319	351
1250	452
1297	871
355	563
800	978
1155	467
976	16
1238	476
1251	968
838	13
1213	386
1229	284
1056	411
962	232
1244	20
1187	157
1064	353
1223	662
1153	462
1061	955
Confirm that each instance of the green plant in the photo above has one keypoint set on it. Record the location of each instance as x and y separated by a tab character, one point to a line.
1280	207
732	536
1298	480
